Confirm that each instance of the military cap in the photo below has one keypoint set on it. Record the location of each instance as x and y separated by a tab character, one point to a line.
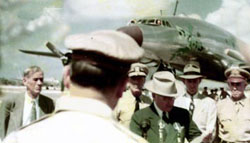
164	84
237	74
191	71
110	43
138	69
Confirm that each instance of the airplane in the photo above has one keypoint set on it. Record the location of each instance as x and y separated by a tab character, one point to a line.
170	42
177	40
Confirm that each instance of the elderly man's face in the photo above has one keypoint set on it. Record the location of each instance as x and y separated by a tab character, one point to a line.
136	84
192	85
237	89
33	83
164	103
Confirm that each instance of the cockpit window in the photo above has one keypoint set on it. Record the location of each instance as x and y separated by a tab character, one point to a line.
167	24
151	22
154	22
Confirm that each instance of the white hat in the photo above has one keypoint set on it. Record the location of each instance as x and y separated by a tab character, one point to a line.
237	74
138	69
110	43
192	71
164	84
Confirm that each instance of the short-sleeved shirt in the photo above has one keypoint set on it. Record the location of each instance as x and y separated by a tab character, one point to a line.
126	107
234	120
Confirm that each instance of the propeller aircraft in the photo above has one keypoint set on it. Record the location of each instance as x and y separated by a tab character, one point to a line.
170	42
176	40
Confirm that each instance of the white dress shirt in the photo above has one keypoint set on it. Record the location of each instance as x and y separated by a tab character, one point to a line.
204	114
234	120
28	108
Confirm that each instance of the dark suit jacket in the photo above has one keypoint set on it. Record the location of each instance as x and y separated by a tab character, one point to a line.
176	115
11	112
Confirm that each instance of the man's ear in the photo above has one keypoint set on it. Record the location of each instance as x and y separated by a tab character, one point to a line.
183	80
24	80
124	84
246	83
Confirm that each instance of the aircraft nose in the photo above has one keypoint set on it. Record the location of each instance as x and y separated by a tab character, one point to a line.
133	31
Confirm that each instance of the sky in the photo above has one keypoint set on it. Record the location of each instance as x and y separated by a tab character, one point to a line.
29	24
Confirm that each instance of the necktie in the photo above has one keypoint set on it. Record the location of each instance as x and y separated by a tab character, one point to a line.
33	111
191	106
137	104
164	117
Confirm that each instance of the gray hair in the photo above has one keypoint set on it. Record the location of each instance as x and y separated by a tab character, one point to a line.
30	70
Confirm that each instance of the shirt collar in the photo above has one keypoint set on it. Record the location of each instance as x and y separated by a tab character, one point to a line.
240	102
190	96
86	105
29	100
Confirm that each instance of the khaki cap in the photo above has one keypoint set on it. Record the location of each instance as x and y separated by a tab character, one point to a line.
164	84
138	69
192	71
110	43
237	74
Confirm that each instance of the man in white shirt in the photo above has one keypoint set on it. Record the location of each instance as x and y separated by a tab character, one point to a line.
233	112
20	110
202	109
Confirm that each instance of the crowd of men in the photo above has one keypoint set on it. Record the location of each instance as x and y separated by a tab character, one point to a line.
214	93
109	100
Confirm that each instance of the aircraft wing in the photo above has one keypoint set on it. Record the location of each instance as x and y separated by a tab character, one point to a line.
39	53
65	58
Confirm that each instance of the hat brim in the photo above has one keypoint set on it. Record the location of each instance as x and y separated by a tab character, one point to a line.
191	76
235	79
136	74
180	89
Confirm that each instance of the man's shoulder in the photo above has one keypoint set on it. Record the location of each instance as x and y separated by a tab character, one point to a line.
223	103
126	95
45	98
46	104
179	110
12	98
147	111
80	122
206	99
146	99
